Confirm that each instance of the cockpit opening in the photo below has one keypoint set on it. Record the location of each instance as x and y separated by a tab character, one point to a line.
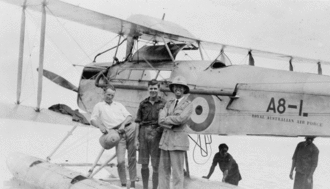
218	64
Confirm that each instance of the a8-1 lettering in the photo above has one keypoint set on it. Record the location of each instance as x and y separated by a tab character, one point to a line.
280	107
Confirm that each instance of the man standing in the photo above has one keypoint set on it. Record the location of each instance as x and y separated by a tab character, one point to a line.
108	115
305	160
174	142
227	165
148	133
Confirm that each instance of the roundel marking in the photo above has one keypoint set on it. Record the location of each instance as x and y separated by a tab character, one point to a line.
203	112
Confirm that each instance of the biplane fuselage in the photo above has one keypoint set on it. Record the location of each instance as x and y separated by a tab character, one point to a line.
228	100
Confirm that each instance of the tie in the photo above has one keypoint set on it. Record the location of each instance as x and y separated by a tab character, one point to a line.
176	103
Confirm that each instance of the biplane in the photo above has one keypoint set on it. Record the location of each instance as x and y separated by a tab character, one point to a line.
228	99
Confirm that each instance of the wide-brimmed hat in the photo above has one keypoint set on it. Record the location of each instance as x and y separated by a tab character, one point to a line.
109	140
179	80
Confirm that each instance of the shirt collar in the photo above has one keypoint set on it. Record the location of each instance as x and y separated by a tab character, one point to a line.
108	104
179	100
157	99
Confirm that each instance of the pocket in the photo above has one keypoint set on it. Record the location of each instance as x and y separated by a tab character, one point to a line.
146	109
181	139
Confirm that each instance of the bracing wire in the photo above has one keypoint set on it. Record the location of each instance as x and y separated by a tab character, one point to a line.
84	139
69	33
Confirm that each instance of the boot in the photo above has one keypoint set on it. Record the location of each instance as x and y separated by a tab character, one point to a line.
154	180
145	177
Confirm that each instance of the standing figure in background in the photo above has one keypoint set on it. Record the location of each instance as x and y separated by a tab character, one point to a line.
148	133
108	115
305	160
174	142
227	165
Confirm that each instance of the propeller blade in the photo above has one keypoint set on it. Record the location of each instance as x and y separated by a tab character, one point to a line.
59	80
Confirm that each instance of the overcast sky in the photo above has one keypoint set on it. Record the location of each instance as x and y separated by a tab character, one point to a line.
298	28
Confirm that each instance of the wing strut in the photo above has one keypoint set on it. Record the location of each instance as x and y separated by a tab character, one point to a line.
251	59
41	54
319	68
115	57
291	66
168	49
21	55
200	50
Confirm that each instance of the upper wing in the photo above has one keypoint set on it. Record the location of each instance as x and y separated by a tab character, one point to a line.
260	53
145	27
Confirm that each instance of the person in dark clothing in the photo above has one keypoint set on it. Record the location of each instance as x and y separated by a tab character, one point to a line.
148	133
304	160
227	165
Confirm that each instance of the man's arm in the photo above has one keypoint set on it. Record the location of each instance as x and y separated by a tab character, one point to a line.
315	158
122	125
211	171
137	128
180	119
137	131
225	174
294	157
292	168
99	125
95	117
162	115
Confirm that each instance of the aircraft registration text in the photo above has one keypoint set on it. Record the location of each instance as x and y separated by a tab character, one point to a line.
281	107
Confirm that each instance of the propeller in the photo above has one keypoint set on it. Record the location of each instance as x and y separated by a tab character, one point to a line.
59	80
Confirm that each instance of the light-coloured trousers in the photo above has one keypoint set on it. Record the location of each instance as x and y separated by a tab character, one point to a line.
127	142
171	160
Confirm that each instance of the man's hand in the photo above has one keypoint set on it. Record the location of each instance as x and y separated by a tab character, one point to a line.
225	173
137	144
291	176
206	177
103	130
121	129
309	179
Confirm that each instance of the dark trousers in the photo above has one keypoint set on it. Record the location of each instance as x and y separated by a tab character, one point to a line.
300	181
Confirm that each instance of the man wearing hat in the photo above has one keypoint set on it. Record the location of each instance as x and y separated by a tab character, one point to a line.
174	142
148	133
305	160
109	115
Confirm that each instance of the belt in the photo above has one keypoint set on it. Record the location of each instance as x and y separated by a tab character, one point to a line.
151	125
126	125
